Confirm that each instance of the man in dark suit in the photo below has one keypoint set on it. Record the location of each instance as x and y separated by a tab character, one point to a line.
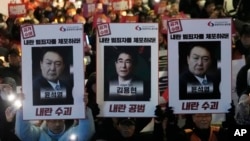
49	88
196	83
125	86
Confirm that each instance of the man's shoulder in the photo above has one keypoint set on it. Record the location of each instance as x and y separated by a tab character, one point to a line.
39	82
244	68
212	78
136	78
186	75
39	79
65	83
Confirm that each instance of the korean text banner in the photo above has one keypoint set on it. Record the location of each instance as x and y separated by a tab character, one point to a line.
52	71
199	65
127	69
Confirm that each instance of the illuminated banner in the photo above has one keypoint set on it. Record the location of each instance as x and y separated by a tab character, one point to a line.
89	9
17	9
119	5
129	19
52	62
199	65
127	68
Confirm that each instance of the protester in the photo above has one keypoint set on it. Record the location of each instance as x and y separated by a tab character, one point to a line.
242	114
199	126
7	129
14	68
52	129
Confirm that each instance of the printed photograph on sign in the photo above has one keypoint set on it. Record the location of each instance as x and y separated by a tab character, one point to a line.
200	65
53	71
200	74
127	69
127	72
52	80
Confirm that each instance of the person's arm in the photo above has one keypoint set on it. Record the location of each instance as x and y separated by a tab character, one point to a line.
24	129
242	109
241	80
159	124
166	128
87	126
158	132
84	130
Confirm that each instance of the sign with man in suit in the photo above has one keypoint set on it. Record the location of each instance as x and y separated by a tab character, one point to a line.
52	85
51	65
127	82
199	54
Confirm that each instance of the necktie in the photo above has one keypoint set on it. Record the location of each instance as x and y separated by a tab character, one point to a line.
58	87
204	82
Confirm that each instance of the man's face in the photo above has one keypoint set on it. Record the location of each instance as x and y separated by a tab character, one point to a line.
52	66
124	65
6	91
202	121
4	41
55	126
199	61
126	130
14	60
245	40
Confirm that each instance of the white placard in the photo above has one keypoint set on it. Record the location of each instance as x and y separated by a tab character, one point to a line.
138	96
53	86
185	92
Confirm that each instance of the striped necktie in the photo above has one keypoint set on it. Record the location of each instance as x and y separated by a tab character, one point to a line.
58	87
204	82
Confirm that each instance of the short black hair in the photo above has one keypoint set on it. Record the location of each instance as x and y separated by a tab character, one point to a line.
126	122
204	45
56	50
199	46
14	51
127	50
245	30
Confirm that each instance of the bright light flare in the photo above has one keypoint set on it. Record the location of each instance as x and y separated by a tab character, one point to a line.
73	137
11	97
17	104
157	1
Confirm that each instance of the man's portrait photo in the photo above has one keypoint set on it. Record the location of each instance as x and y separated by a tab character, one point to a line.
52	80
199	71
127	73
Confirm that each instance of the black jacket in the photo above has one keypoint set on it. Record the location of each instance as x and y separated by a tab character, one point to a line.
188	78
42	83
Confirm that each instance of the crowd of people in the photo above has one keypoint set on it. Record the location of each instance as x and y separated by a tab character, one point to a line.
198	127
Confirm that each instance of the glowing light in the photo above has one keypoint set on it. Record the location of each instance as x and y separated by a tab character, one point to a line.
123	13
11	97
73	137
85	61
78	4
17	104
156	1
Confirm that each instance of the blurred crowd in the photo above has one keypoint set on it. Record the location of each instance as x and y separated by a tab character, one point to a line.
166	125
